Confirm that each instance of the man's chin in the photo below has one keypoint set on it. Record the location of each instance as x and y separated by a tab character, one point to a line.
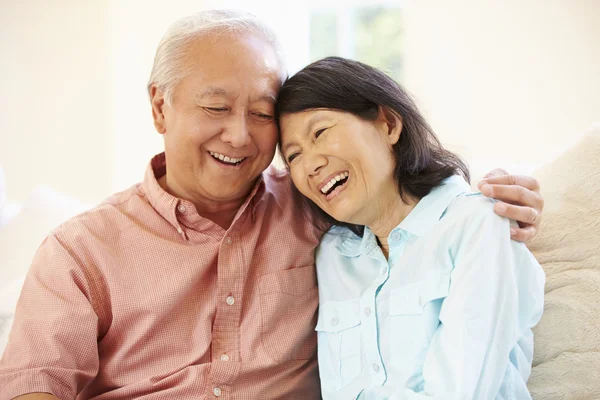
223	190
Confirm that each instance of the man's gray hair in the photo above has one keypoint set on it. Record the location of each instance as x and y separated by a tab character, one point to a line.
170	60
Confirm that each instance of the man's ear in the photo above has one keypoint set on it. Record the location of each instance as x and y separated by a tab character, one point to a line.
157	101
392	122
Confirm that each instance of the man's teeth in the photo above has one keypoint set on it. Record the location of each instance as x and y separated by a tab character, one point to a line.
332	182
229	160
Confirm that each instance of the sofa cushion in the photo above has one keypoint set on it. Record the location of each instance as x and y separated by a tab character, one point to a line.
566	361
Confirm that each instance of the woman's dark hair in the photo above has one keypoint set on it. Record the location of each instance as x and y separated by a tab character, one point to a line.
350	86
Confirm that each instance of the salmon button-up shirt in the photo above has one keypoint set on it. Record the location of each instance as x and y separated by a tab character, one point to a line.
142	297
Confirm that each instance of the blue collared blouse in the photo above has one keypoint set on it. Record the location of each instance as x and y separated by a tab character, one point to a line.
447	316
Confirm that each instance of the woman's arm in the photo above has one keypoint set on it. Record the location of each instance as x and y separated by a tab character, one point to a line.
495	298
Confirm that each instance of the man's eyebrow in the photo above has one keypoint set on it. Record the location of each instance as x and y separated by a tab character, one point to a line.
212	91
270	98
218	91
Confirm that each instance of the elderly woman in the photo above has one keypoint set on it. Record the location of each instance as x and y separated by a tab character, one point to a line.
422	292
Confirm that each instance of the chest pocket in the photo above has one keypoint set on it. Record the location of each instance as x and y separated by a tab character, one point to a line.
288	305
414	318
339	343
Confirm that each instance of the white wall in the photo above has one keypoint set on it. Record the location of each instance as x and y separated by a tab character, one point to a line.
55	117
501	81
505	82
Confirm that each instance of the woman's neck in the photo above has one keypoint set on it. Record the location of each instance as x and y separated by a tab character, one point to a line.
388	216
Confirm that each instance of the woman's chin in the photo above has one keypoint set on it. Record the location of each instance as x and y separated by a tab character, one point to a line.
343	216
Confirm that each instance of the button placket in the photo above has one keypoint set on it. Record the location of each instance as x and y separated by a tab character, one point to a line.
370	329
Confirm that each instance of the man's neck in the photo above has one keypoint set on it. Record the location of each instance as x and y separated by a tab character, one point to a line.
221	213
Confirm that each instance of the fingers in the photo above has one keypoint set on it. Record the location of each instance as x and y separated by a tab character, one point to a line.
528	182
523	215
523	234
495	172
528	218
517	195
520	201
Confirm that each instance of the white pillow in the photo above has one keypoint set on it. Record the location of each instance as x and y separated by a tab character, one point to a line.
2	195
9	294
20	238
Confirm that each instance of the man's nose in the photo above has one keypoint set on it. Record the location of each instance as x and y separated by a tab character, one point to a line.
237	133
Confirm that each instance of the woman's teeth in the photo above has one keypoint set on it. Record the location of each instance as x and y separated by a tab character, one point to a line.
226	159
325	189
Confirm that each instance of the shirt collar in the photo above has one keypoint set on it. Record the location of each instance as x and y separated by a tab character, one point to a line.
431	208
421	219
168	206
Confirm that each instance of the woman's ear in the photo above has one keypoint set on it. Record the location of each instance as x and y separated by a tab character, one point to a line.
392	123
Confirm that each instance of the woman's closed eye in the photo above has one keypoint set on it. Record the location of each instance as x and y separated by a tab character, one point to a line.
291	157
319	132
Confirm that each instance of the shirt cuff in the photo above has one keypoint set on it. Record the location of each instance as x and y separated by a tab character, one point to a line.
34	382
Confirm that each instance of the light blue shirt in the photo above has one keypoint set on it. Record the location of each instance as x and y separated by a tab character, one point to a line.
447	316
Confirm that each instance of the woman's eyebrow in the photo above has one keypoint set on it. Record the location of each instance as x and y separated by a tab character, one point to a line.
309	127
287	146
313	120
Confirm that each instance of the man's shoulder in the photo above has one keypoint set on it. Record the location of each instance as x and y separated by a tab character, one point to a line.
276	178
113	214
278	185
283	205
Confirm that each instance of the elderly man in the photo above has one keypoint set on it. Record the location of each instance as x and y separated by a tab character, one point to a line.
199	281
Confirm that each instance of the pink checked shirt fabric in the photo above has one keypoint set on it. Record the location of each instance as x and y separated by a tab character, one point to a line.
142	297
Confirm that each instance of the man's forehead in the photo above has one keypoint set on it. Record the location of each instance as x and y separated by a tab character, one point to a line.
235	49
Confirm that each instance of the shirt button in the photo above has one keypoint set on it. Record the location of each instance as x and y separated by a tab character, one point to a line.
181	208
217	392
367	311
334	321
224	357
230	300
376	368
396	236
179	230
228	240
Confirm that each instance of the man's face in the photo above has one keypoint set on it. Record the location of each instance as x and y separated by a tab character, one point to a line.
219	130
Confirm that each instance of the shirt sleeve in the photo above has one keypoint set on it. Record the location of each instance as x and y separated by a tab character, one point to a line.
52	346
495	298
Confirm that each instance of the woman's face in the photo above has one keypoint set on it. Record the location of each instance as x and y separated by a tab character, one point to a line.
343	163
